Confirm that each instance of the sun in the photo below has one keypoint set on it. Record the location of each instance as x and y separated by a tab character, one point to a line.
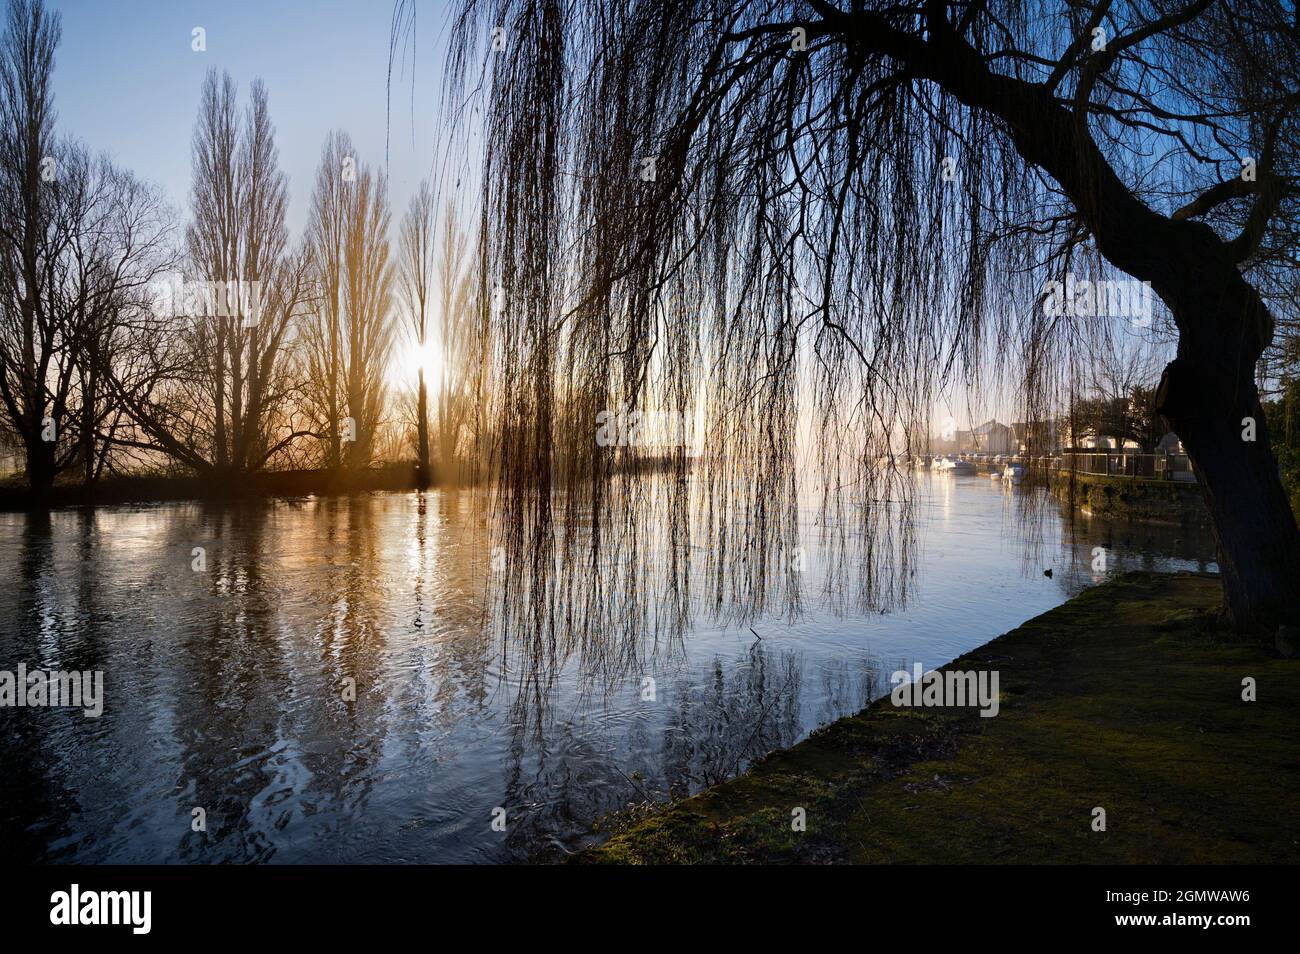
410	359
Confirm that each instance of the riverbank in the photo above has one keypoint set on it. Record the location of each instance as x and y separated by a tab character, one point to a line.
1123	698
1130	498
146	489
141	488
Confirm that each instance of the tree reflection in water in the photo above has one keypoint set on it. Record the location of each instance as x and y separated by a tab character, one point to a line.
523	689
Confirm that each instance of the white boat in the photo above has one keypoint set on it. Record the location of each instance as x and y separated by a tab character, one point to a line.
1013	473
954	466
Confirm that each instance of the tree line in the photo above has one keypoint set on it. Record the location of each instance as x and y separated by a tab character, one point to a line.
110	362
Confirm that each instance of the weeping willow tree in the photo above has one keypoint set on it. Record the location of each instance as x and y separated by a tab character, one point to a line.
792	222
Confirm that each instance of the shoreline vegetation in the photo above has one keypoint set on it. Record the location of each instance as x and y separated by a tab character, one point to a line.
1131	498
163	488
1124	698
1121	498
16	495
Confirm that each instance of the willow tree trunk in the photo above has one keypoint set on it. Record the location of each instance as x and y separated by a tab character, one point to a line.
1209	397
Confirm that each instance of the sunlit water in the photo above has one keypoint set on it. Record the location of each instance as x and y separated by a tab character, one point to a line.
225	687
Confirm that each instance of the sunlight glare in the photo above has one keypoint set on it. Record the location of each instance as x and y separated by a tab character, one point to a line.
404	370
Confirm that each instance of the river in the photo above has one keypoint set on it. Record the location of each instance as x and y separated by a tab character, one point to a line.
228	688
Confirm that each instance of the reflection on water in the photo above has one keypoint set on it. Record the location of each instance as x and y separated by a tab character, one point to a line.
226	688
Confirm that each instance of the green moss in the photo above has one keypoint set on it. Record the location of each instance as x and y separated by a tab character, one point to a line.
1132	498
1122	698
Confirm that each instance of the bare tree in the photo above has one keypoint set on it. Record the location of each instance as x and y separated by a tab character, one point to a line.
36	373
323	329
226	403
120	244
1121	399
456	282
729	195
80	244
349	339
415	278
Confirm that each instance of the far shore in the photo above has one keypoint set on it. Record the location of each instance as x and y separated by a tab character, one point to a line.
149	489
1131	498
15	495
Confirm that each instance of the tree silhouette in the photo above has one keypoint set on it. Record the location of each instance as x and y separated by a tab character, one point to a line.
788	210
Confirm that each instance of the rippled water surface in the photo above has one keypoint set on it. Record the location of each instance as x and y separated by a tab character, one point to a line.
225	687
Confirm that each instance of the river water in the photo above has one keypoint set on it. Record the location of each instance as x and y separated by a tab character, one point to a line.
228	688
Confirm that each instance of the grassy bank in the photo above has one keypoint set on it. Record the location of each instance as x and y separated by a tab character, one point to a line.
1122	698
1132	498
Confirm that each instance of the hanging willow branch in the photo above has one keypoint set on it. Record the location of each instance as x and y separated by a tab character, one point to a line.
796	223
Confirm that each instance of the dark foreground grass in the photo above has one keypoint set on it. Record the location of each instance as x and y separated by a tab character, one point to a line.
1123	698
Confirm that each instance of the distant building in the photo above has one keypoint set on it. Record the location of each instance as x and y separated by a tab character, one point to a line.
1038	438
993	438
990	437
945	445
1104	442
961	442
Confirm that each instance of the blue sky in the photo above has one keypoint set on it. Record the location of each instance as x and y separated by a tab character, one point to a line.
127	82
